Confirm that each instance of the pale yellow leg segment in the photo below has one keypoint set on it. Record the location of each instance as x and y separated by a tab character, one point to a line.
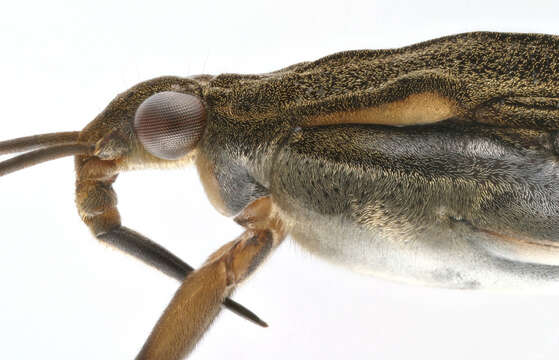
191	311
197	302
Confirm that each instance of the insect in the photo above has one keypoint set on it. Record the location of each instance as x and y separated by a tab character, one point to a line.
434	163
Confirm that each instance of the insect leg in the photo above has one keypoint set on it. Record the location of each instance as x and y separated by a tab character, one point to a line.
151	253
96	201
196	303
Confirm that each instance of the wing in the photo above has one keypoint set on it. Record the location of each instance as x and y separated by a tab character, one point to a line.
495	78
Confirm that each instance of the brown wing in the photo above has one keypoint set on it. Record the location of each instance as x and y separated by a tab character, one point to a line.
499	78
509	80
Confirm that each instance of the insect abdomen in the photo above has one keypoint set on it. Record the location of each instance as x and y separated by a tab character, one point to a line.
401	202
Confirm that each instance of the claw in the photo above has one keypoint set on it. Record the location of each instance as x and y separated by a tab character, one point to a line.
243	312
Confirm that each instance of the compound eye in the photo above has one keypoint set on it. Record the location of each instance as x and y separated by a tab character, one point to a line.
170	124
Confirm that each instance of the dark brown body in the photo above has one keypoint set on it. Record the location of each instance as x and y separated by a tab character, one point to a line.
402	150
402	202
434	163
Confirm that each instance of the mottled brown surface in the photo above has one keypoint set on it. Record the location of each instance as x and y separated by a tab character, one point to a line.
474	70
306	139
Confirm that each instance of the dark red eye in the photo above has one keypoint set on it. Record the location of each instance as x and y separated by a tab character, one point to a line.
169	124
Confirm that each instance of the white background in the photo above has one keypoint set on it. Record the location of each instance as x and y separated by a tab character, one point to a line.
65	296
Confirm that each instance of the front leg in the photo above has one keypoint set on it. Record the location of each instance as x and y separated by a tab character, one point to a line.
197	302
96	201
